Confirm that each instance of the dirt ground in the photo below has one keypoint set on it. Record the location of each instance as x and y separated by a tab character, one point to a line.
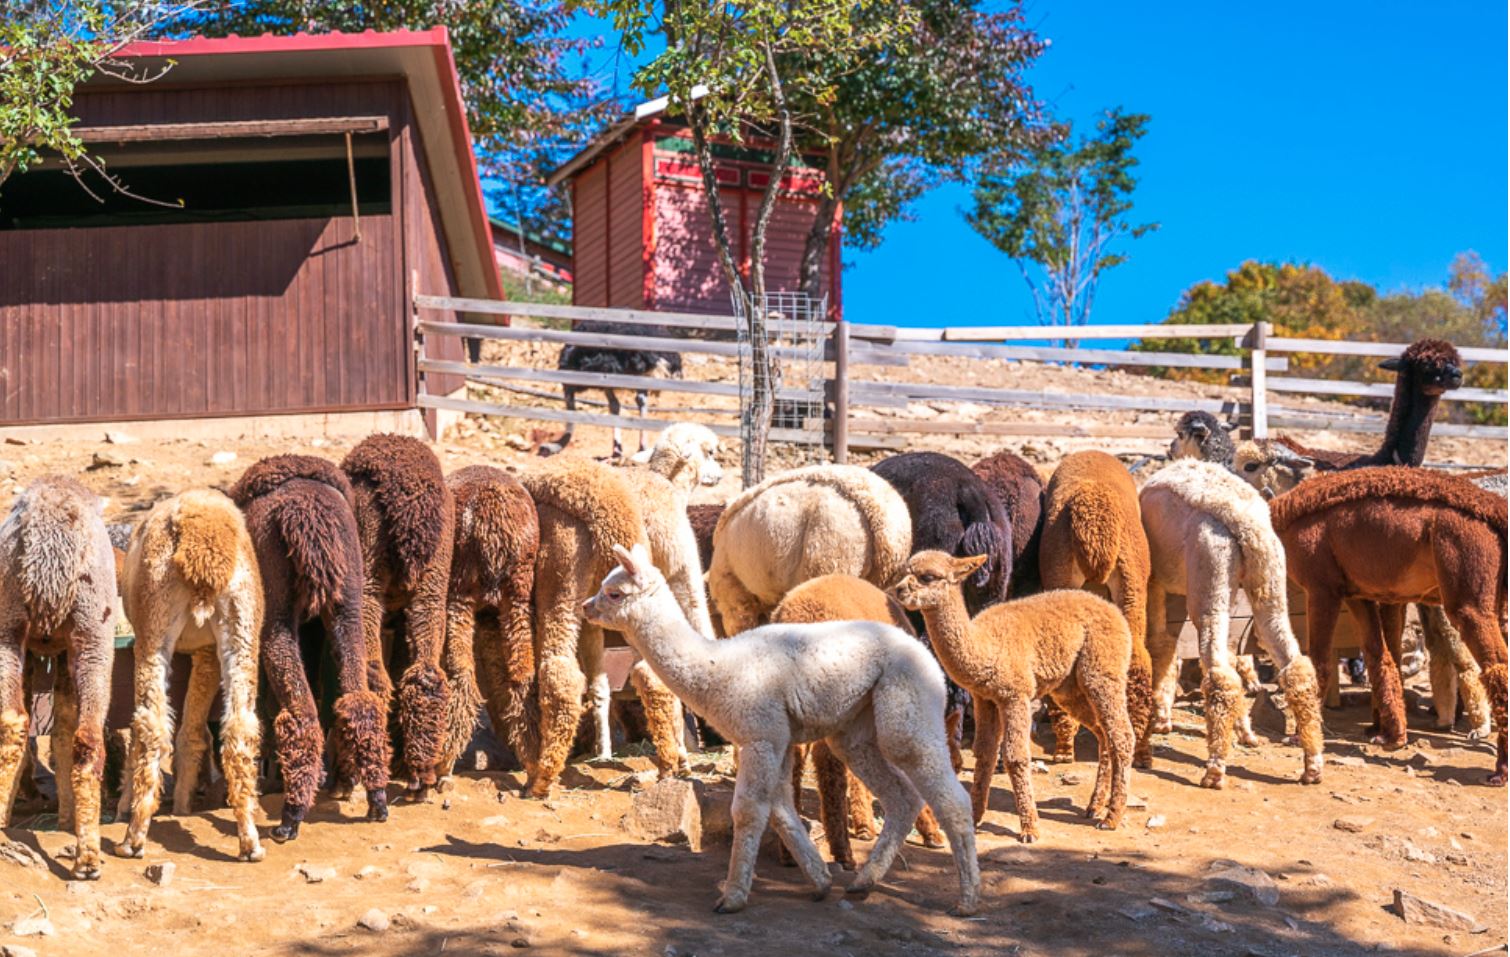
487	872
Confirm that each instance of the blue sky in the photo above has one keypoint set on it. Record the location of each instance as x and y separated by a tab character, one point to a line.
1366	138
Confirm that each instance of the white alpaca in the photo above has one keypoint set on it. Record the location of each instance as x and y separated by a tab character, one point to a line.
1209	534
869	690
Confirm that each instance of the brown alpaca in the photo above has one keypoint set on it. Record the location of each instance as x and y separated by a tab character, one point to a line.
1093	535
1067	644
57	600
1018	486
191	586
406	520
844	803
298	511
585	509
489	634
1395	535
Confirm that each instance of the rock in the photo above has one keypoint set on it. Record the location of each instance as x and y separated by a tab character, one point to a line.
33	927
1155	822
368	873
315	874
374	920
1040	768
1348	761
1353	825
1251	879
1135	801
1167	905
517	442
1211	897
224	457
161	874
1319	880
1069	777
1269	712
119	438
1418	910
418	886
1418	855
17	950
18	853
1216	926
106	459
1137	912
681	811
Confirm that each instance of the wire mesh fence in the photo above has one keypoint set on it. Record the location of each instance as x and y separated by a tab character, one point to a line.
789	369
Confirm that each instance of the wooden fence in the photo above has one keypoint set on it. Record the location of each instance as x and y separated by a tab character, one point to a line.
1258	375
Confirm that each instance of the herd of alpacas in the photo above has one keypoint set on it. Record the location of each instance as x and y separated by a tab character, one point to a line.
847	618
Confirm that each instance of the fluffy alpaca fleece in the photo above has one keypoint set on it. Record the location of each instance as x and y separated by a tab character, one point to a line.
1394	535
844	804
820	520
406	519
299	514
585	509
57	600
1201	435
1020	491
869	690
1093	535
1209	534
489	633
191	585
1067	644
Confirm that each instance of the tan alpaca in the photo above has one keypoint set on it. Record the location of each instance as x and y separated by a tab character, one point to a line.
1067	644
1093	535
844	803
192	586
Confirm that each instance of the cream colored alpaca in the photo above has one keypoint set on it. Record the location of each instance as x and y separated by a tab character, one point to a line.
869	690
820	520
192	586
1068	644
1209	535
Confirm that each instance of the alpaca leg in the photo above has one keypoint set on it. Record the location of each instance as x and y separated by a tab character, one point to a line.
65	721
194	729
1130	593
1015	723
1483	636
1164	661
13	720
1297	677
1444	642
663	719
599	694
371	611
364	754
519	705
739	609
642	406
559	633
1247	671
954	730
458	661
1440	665
1096	807
511	706
1221	688
793	832
89	672
799	764
859	807
988	743
835	803
858	748
424	694
561	687
1066	729
760	775
618	433
297	737
1383	675
1322	609
240	732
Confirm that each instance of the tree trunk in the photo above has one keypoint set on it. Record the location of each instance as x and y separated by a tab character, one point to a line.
815	248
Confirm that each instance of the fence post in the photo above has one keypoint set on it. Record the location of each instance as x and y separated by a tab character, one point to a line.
841	392
1257	379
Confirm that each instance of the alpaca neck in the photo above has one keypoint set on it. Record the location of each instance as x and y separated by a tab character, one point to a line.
949	632
676	469
687	662
1409	428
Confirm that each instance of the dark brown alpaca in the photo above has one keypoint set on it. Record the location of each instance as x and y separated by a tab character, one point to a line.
1425	370
299	513
1017	485
405	517
489	634
1395	535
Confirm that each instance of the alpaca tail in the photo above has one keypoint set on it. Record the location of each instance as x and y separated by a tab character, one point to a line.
52	522
205	552
1095	530
313	537
984	538
410	490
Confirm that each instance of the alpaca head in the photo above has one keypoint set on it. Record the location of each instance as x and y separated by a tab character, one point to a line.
1270	467
1433	365
1200	435
625	590
932	578
687	446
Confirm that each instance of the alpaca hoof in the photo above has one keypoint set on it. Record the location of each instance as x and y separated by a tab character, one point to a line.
933	841
820	891
420	794
859	890
257	853
1311	776
86	867
1496	780
1108	824
1388	744
728	905
127	849
284	833
377	806
1162	726
963	909
1027	837
1214	779
1249	740
1479	734
1143	762
340	791
864	834
1055	758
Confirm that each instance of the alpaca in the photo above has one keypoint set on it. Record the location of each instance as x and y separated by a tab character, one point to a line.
844	804
1209	534
634	362
1068	644
57	600
585	508
867	689
704	519
406	519
299	513
1397	535
1426	369
1201	435
191	585
819	520
1020	491
489	634
1093	535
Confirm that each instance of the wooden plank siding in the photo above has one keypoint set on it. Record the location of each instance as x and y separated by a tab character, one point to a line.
626	235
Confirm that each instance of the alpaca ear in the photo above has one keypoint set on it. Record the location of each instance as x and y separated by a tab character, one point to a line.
964	566
629	560
642	562
1229	426
1392	364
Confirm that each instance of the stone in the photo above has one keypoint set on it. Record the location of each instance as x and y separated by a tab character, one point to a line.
315	874
161	874
106	459
1419	910
374	920
418	886
681	811
223	457
1069	777
1137	912
368	873
119	438
1216	926
1250	879
17	950
1136	801
1353	825
18	853
33	927
1417	855
1155	822
1211	897
1167	905
1348	761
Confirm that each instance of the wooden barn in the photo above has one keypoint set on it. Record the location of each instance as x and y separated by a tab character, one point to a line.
295	193
640	233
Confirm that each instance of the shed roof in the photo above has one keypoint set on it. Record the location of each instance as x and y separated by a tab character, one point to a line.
422	57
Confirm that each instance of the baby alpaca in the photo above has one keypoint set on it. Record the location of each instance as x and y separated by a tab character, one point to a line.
57	600
867	689
191	585
1068	644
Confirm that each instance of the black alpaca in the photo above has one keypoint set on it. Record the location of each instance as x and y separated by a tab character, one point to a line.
631	362
1020	491
1201	435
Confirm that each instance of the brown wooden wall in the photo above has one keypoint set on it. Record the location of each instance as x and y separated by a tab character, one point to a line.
608	263
237	318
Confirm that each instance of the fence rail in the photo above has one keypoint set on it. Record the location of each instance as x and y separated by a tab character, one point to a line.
852	345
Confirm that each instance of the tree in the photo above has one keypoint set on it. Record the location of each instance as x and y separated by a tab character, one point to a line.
1061	208
48	48
756	68
526	107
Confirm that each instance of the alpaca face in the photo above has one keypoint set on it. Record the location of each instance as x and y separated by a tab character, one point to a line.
635	580
1434	364
932	578
1200	435
1271	468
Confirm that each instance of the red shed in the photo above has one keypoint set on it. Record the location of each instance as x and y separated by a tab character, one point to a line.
640	233
313	184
